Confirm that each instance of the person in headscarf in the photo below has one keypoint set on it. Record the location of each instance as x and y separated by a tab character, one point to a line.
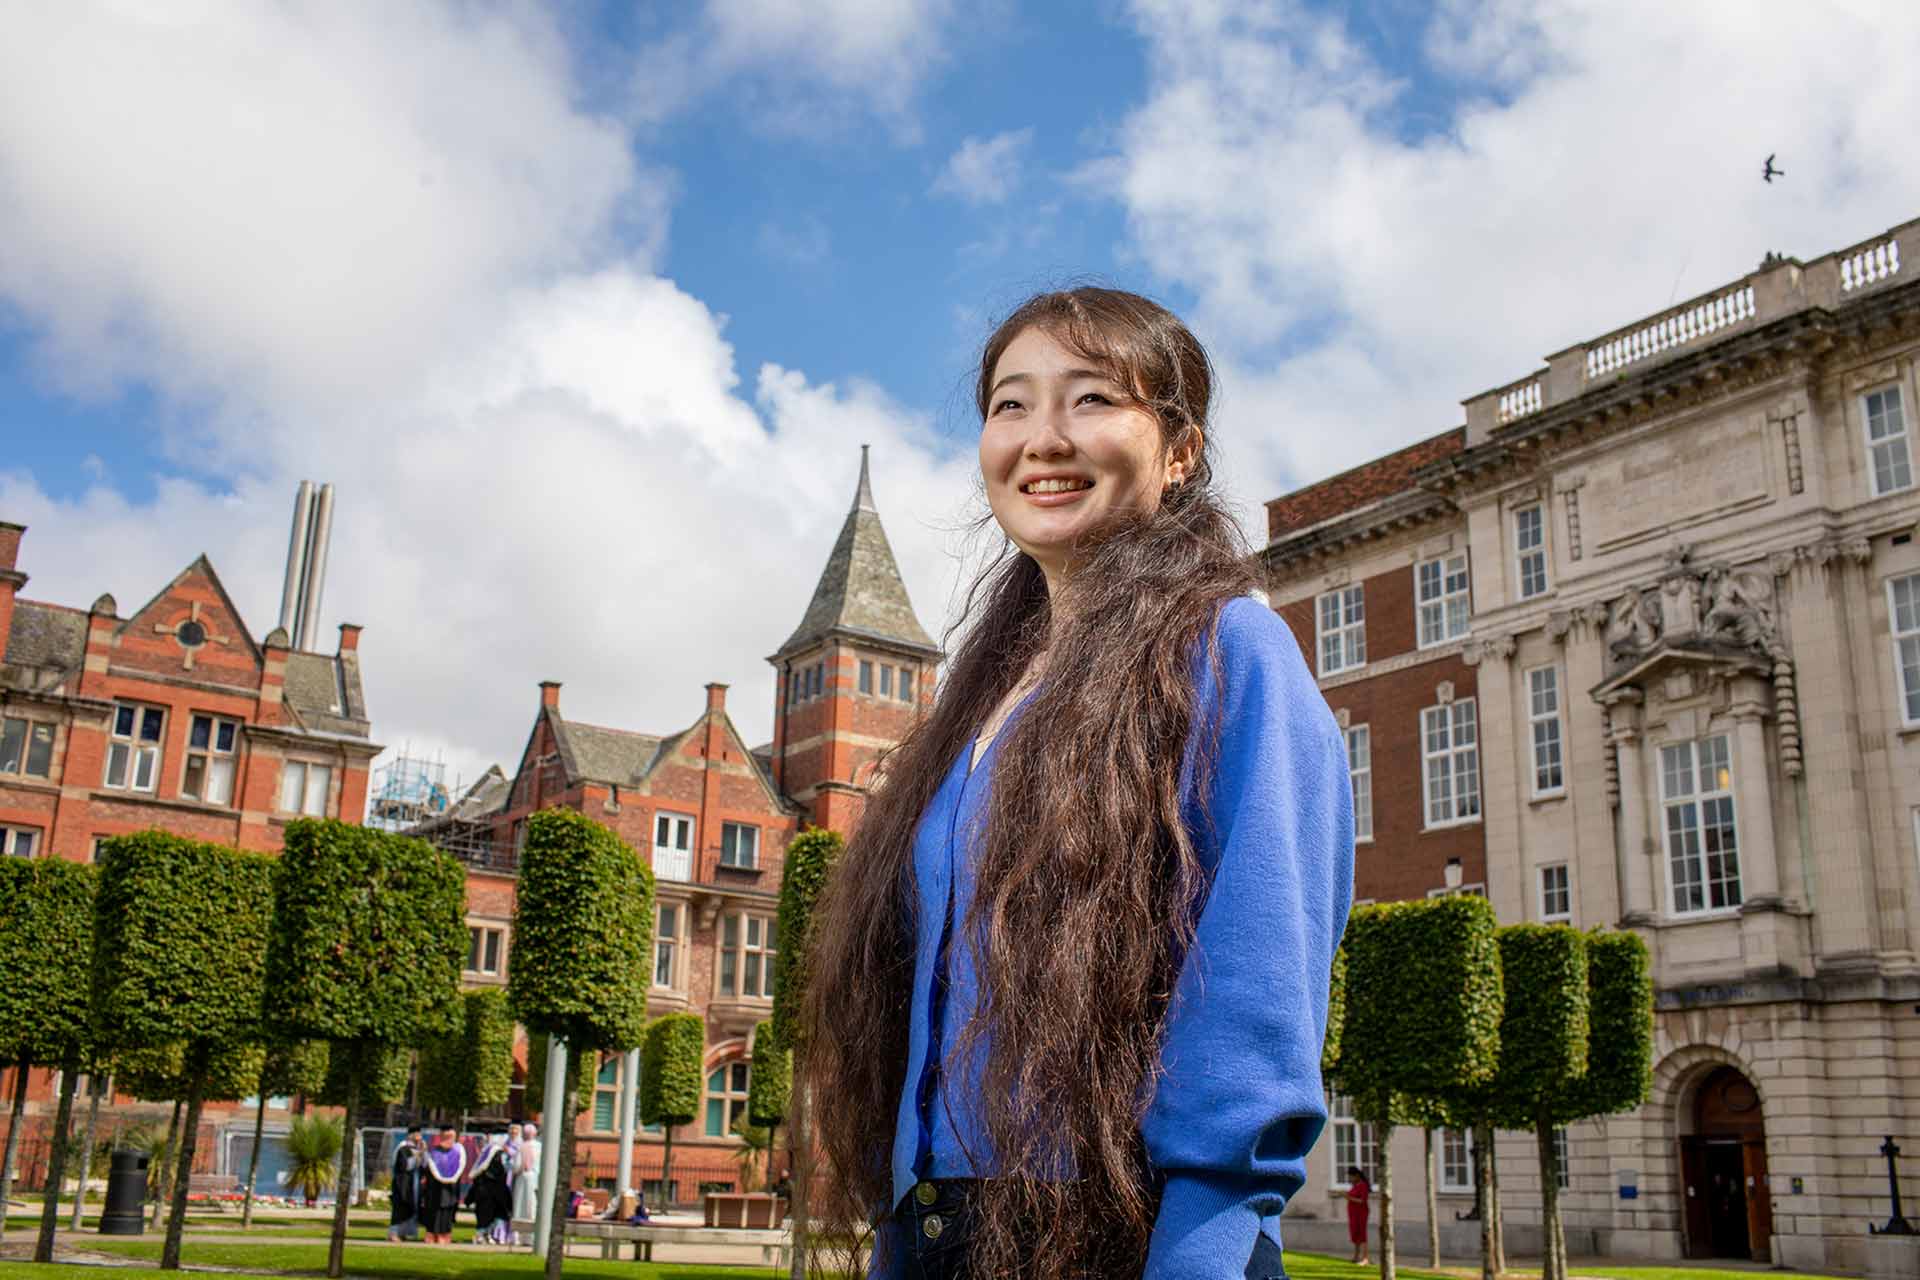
441	1172
526	1176
490	1196
404	1221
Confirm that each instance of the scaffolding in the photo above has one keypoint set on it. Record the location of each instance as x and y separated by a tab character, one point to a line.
411	796
408	791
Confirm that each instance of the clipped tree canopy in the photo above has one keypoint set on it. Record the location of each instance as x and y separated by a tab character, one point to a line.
472	1067
1543	1028
180	941
1620	1026
582	934
810	857
583	1068
1423	997
296	1067
160	1073
384	1069
770	1081
672	1071
369	935
46	958
1336	1016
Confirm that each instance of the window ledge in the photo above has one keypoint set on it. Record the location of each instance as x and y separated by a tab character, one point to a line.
1908	731
1448	826
1699	917
32	782
1548	797
188	806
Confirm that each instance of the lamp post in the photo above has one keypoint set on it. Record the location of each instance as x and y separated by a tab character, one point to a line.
1897	1225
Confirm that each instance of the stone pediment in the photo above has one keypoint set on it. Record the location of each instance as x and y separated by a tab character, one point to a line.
1665	662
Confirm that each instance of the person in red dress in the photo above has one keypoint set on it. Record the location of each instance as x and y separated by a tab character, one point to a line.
1358	1192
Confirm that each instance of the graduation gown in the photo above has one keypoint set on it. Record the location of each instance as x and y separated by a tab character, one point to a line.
406	1186
489	1196
440	1175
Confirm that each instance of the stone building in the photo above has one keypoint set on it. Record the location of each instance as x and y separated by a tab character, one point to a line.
172	716
1692	652
714	816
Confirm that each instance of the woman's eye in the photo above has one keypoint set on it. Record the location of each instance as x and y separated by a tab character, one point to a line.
1094	396
1006	404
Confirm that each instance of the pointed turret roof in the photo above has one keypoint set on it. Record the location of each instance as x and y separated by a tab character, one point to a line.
861	594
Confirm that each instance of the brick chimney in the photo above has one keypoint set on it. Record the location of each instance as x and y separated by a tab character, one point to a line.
11	579
550	694
349	637
716	698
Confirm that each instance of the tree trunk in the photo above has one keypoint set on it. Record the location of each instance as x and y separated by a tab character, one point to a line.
96	1089
666	1172
189	1140
1552	1265
21	1069
1493	1204
57	1160
1388	1262
1433	1205
562	1184
343	1182
800	1170
253	1163
166	1163
1483	1189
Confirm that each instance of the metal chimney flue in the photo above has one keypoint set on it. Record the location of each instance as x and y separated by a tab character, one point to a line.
296	558
306	563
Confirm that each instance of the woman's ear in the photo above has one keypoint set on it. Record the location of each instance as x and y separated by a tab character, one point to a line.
1184	456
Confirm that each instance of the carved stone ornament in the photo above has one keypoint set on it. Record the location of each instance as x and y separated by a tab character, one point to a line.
1443	692
1559	622
1344	717
1716	605
1474	652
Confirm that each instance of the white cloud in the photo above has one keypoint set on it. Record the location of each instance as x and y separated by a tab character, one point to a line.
1356	284
546	464
985	170
802	67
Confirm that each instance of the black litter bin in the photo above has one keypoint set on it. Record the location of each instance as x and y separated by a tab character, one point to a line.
125	1211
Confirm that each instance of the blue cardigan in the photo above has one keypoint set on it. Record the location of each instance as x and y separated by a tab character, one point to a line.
1241	1102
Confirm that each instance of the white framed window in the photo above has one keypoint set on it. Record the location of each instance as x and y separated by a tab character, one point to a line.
486	949
1354	1144
1450	762
739	846
747	947
26	747
1903	612
1441	587
1456	1160
1360	774
1543	717
211	741
866	676
133	752
666	945
672	846
1890	460
606	1094
886	681
19	842
1703	848
1530	549
1565	1176
726	1097
303	787
1340	626
906	684
1556	892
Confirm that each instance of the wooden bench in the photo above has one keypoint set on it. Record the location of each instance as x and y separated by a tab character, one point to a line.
757	1209
611	1235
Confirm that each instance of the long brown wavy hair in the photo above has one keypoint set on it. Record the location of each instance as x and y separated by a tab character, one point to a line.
1087	881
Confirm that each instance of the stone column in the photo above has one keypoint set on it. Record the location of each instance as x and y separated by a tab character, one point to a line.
1753	798
1636	869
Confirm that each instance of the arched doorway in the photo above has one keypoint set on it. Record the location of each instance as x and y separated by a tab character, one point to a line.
1723	1166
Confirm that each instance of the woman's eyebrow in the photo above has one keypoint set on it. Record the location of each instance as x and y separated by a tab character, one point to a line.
1067	375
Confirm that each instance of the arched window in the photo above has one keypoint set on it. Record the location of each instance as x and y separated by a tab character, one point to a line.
726	1097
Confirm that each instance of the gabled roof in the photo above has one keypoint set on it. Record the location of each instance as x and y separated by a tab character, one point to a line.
323	692
487	796
860	592
204	565
48	642
592	753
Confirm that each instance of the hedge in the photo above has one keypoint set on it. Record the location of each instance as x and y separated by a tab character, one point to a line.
1543	1026
810	858
582	934
673	1069
384	1070
471	1067
180	941
46	956
582	1067
770	1081
369	936
1620	1025
1336	1015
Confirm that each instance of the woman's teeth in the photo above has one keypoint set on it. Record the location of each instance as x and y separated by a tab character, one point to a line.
1055	486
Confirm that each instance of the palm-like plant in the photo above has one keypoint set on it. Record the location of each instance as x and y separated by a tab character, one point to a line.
759	1142
313	1152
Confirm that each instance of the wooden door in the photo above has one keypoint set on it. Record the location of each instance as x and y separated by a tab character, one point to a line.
1759	1200
1693	1194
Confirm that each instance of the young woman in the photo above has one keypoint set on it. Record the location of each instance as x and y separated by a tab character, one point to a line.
1359	1191
1069	981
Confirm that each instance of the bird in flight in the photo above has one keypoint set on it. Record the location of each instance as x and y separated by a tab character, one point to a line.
1768	173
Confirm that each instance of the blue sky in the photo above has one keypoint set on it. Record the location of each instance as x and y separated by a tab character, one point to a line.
586	309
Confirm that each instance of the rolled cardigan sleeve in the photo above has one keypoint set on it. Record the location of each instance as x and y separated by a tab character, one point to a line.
1240	1104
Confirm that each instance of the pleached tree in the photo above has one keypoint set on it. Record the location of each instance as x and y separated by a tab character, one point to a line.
369	935
470	1067
769	1088
672	1075
293	1067
1423	999
582	958
809	860
46	952
160	1074
179	956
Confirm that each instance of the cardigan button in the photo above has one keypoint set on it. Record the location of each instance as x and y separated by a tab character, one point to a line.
932	1226
926	1193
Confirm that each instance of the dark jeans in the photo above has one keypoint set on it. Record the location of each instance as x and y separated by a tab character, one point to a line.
936	1228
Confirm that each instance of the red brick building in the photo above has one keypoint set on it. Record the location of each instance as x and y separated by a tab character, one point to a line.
714	815
173	715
